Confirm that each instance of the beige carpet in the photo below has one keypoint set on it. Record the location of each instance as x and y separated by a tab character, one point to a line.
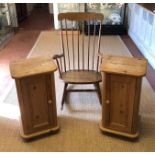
79	119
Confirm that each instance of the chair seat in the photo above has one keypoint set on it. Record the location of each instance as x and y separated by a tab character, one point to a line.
81	77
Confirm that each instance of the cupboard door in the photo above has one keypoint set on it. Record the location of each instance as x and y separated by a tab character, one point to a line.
119	102
35	103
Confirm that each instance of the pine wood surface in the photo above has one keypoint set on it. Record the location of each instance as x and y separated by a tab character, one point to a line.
33	66
124	65
121	95
82	77
80	16
35	86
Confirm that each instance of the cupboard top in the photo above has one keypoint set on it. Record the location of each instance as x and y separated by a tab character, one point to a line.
33	66
124	65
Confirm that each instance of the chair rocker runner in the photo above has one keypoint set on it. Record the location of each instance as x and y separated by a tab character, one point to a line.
78	64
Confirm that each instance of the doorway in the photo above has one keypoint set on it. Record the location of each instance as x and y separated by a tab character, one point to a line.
37	16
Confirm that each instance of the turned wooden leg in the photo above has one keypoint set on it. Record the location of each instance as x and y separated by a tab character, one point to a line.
64	95
99	92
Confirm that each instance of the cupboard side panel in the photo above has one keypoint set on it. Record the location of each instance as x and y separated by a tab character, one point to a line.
50	83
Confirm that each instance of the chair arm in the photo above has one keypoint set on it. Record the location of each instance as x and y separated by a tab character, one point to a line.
57	56
101	54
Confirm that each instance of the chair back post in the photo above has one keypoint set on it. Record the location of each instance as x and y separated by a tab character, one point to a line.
99	43
62	46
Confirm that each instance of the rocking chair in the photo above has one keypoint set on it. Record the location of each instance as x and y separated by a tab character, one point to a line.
80	40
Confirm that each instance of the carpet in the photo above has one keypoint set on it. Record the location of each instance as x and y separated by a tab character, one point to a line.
80	117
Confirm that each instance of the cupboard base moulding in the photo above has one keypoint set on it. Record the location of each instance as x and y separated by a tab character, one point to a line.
36	134
128	135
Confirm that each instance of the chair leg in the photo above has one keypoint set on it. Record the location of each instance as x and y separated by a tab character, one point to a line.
64	95
99	92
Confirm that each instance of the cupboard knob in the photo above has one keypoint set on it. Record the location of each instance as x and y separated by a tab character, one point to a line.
49	101
107	101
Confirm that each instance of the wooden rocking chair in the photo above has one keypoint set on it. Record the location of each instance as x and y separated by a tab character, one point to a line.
80	40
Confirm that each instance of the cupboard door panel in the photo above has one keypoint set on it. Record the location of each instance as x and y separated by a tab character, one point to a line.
121	101
35	103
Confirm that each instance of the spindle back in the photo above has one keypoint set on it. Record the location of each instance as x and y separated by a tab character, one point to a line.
80	39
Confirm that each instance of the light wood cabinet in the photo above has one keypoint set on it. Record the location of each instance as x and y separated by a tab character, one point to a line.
36	94
122	78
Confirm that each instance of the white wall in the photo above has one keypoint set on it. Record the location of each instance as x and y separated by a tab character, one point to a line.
142	30
50	6
55	10
12	16
70	7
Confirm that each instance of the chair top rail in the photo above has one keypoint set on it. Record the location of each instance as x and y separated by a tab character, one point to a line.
80	16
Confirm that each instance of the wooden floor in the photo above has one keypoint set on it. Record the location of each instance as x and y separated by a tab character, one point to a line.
22	42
